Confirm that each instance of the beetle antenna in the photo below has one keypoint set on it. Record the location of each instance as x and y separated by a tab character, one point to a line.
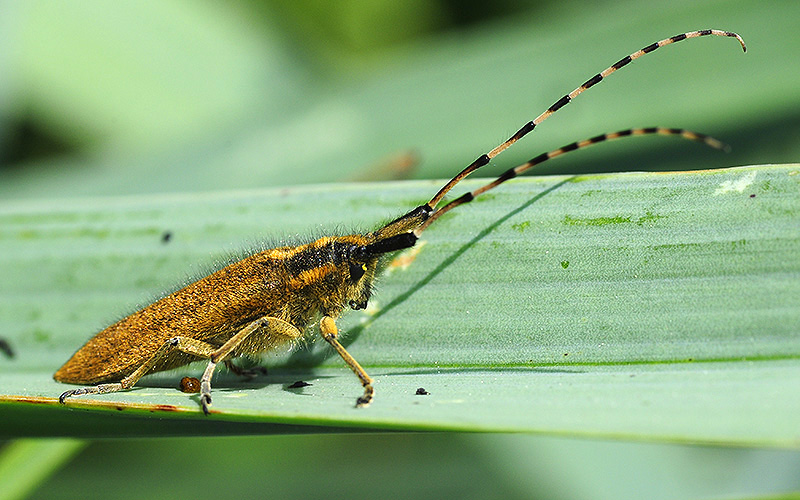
513	172
528	127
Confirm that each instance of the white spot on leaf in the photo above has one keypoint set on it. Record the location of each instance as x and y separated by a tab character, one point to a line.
737	185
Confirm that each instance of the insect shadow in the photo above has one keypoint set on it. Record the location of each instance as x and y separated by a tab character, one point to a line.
231	382
309	357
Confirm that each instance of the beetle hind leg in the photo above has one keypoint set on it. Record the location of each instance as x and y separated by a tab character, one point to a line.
267	326
183	344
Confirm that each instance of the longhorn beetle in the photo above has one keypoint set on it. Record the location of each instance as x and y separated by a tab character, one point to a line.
271	297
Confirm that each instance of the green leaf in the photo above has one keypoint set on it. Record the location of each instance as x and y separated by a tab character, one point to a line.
646	306
24	463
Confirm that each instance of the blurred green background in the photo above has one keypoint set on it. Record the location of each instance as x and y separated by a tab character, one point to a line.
142	97
110	99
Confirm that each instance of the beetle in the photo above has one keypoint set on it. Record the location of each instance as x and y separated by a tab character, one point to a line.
271	298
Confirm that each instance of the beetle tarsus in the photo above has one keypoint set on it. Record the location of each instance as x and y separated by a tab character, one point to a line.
205	399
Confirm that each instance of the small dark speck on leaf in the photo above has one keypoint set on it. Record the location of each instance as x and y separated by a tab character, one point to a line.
298	385
422	392
166	236
752	196
6	348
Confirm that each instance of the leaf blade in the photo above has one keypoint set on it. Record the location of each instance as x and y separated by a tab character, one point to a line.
674	318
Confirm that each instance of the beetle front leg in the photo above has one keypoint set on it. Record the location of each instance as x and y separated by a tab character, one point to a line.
331	333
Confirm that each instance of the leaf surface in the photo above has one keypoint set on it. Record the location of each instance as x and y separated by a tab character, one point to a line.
645	306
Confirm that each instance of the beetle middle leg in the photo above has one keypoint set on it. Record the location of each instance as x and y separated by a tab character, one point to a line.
263	326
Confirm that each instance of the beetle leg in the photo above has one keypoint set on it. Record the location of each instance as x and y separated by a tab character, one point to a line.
266	324
183	344
331	333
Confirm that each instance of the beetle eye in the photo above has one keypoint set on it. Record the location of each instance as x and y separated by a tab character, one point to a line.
357	271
